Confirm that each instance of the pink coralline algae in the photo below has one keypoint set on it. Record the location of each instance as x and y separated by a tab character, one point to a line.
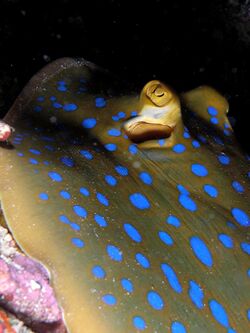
5	131
25	289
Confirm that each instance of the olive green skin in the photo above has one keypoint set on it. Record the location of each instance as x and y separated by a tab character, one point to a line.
36	227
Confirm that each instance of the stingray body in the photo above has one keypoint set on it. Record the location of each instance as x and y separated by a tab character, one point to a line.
137	237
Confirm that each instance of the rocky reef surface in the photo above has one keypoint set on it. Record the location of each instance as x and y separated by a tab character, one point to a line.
27	300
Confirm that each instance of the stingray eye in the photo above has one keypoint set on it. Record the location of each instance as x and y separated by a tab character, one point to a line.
158	94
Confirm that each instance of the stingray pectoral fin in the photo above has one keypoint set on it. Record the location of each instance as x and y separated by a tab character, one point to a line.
208	104
130	236
205	96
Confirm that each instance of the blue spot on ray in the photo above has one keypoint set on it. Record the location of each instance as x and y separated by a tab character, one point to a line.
195	144
123	171
161	142
132	232
86	154
155	300
146	178
33	161
121	114
202	138
171	277
210	190
139	323
241	217
237	186
80	211
134	113
179	148
166	238
75	226
173	220
142	260
224	159
115	117
65	195
114	132
178	327
84	191
89	123
182	189
212	111
70	107
64	219
219	313
245	247
67	161
133	149
109	299
102	199
111	146
114	253
199	170
100	102
226	240
40	98
61	83
35	151
62	88
201	251
139	201
43	196
214	120
186	135
100	220
55	176
57	105
98	272
77	242
110	180
187	202
196	294
127	285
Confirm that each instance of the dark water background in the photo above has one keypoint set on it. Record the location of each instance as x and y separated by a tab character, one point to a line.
184	43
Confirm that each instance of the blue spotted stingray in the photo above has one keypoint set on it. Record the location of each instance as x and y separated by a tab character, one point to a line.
153	240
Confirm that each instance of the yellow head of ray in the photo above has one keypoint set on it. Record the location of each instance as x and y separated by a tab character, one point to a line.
159	114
